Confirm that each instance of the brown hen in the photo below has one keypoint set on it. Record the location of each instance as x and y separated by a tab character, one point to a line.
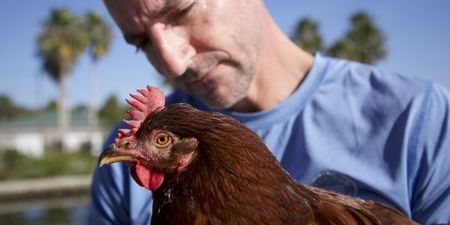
207	168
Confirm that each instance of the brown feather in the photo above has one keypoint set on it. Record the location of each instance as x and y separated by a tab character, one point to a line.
235	179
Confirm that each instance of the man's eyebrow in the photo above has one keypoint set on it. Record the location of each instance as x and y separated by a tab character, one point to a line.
167	6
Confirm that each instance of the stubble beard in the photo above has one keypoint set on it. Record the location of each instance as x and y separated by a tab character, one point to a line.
225	96
221	93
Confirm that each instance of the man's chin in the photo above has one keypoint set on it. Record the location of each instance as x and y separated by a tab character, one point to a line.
217	103
215	96
220	102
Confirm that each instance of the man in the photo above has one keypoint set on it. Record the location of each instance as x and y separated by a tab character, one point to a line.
332	123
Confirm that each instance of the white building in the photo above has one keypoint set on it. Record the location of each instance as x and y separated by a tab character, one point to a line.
31	135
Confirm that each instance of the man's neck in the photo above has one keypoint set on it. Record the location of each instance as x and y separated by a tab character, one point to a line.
281	69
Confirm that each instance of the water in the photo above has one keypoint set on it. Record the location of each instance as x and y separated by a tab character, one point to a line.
55	211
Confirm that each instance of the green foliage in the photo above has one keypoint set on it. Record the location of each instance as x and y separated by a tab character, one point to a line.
80	108
9	110
52	106
307	36
364	42
112	112
342	48
61	43
15	165
99	33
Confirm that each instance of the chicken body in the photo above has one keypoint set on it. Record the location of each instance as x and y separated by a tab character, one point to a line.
217	171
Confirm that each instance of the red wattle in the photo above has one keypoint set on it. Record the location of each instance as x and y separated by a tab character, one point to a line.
146	177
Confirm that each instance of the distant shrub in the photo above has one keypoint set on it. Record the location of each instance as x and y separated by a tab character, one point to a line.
15	165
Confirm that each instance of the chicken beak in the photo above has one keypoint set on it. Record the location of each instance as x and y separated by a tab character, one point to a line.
114	154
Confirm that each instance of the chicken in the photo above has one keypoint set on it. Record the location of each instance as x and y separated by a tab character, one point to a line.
208	168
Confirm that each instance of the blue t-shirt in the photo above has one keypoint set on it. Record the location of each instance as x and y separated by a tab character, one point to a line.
349	127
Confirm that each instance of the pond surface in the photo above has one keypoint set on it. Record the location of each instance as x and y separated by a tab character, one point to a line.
55	211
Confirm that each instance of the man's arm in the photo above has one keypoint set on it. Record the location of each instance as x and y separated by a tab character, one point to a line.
430	197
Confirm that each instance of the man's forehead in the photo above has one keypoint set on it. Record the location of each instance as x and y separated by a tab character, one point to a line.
121	10
159	4
151	6
127	12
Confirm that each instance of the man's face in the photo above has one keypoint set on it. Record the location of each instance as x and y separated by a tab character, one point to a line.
209	48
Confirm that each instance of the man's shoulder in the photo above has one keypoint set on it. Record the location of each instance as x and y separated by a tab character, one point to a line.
369	81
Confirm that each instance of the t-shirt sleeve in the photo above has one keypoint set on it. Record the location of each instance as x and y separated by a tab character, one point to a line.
430	199
107	193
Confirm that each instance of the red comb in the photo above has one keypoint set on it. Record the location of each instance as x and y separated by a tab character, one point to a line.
146	102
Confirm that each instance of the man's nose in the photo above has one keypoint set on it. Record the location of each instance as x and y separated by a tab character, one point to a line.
172	48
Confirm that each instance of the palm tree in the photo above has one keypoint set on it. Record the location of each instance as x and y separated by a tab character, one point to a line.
364	42
307	36
59	46
100	36
343	49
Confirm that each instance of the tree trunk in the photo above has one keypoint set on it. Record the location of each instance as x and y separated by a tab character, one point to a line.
63	112
93	109
93	117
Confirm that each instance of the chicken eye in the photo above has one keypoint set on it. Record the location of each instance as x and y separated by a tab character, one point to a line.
162	139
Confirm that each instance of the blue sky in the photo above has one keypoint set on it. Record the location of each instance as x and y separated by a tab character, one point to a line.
417	38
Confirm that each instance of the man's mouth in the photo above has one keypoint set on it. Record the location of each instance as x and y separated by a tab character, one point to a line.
198	75
205	76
